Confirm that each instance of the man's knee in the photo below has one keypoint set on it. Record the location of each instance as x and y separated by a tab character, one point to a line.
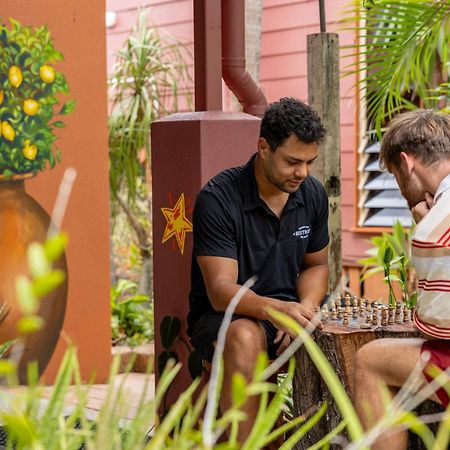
366	359
245	336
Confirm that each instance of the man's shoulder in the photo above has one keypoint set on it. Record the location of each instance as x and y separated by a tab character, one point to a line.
226	183
313	187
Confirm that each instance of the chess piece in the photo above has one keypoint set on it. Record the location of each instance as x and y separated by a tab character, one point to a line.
375	316
334	315
391	313
384	317
345	321
340	312
406	315
398	313
332	305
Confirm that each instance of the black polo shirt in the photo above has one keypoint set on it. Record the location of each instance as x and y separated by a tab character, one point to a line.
231	220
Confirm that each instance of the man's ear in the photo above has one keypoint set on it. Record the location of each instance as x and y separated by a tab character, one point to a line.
408	160
263	147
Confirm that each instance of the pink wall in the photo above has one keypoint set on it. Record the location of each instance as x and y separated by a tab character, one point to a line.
285	25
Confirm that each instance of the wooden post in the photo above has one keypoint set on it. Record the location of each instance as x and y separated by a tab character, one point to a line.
323	96
339	344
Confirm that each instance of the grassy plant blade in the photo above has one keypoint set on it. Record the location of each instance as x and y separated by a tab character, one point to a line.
297	435
443	435
325	441
173	417
267	417
280	431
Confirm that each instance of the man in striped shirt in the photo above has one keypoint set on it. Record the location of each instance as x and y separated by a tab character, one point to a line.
416	149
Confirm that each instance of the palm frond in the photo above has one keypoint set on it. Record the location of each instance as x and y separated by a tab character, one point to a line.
148	73
404	54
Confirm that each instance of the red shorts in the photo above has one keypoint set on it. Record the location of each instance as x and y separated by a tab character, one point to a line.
440	357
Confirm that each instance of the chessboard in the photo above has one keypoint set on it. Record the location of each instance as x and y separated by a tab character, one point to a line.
357	313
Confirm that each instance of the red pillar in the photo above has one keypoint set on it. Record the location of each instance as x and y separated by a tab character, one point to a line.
187	150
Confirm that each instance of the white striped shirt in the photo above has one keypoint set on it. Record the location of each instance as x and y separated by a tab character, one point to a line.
431	259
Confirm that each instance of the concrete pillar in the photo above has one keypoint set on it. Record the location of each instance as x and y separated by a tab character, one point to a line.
187	150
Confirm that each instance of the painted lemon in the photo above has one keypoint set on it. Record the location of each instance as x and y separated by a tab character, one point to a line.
2	96
30	106
15	76
8	131
47	73
29	150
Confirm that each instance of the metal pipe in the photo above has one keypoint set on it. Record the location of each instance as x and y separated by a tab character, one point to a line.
234	73
323	22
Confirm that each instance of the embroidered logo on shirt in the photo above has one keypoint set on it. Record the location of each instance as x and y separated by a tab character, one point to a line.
302	232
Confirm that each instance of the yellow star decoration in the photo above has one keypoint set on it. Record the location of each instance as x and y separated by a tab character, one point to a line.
177	223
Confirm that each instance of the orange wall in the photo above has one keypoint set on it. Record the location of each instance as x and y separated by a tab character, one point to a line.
78	30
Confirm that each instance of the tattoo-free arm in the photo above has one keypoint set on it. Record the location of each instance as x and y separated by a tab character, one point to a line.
220	276
312	282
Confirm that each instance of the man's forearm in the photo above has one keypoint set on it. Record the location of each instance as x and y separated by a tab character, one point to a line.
250	305
257	307
312	285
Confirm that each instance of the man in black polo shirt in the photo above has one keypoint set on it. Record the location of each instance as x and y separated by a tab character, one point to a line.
269	219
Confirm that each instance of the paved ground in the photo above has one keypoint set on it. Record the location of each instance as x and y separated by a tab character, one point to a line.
133	386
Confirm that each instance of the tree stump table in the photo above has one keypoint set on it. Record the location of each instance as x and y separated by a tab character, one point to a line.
339	344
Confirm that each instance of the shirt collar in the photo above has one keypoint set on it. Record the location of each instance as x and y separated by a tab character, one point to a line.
443	186
251	196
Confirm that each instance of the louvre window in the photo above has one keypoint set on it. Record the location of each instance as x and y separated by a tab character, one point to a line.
380	202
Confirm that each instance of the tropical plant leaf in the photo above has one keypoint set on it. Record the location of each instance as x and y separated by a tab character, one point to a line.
402	55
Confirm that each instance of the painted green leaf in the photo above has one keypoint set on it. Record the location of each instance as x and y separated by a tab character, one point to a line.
169	330
195	364
163	358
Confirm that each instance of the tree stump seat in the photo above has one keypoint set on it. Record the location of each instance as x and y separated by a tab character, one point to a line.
339	344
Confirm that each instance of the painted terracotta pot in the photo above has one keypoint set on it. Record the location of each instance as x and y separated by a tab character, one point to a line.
22	221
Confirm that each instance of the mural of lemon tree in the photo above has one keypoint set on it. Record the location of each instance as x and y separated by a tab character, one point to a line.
29	85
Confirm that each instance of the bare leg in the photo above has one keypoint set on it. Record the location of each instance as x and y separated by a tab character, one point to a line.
245	340
388	361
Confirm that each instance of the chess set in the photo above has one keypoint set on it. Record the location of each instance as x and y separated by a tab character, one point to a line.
356	312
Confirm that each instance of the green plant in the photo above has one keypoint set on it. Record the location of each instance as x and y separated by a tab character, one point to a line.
29	88
144	86
148	76
132	315
390	254
32	424
403	55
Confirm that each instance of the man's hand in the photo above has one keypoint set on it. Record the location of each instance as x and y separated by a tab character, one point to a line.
285	340
422	208
300	313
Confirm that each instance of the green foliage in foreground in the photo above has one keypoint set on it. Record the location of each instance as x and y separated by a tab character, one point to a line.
36	424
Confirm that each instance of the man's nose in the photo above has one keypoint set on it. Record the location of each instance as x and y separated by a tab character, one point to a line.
301	171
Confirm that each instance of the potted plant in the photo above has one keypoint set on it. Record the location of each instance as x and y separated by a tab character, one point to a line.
29	85
30	88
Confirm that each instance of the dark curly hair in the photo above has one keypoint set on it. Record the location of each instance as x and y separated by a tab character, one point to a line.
290	116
